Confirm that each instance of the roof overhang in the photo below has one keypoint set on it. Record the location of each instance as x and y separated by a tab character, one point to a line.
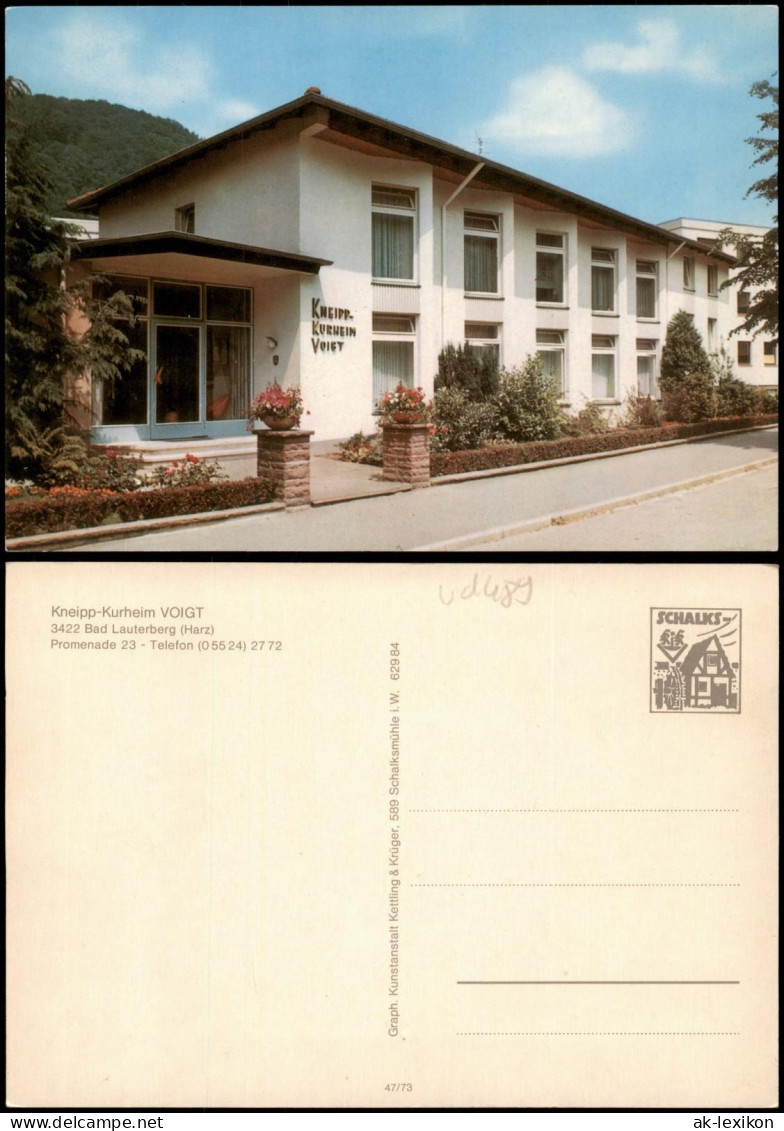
199	247
346	125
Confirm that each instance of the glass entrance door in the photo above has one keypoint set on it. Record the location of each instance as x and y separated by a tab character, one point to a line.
176	384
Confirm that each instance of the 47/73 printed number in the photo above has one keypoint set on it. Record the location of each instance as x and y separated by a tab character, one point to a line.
399	1088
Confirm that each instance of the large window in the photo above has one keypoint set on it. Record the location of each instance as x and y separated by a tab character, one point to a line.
124	400
393	353
482	339
228	352
744	353
688	273
602	280
550	267
551	348
647	288
481	253
394	222
713	280
743	302
646	367
768	353
602	367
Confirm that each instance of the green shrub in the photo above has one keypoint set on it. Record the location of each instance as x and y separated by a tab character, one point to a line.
767	402
39	514
362	448
587	422
185	472
459	367
613	439
692	399
93	472
527	403
641	412
735	398
459	422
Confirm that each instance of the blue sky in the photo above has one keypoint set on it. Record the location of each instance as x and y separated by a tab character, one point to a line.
644	108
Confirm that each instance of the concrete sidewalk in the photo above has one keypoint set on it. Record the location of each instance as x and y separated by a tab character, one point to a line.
411	519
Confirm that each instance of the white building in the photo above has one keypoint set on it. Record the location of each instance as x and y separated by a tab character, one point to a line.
755	358
320	246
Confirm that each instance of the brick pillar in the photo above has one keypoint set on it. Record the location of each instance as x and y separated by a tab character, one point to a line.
406	454
284	459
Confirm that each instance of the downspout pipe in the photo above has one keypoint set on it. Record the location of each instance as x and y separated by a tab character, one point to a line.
477	168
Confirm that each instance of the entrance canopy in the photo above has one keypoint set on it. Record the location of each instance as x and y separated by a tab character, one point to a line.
179	253
196	330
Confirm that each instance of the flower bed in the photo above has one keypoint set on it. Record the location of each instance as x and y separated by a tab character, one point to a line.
72	508
508	455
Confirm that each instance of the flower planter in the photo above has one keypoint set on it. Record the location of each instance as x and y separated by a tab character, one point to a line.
280	423
408	417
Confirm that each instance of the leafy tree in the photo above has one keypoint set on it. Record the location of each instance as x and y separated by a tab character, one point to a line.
758	259
42	346
685	378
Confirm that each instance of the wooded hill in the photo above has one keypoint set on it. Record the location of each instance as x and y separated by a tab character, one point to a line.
83	144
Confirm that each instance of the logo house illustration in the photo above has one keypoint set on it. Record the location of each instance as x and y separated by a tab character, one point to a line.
695	660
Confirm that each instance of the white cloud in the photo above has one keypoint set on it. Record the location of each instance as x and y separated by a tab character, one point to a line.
556	112
234	110
659	48
107	55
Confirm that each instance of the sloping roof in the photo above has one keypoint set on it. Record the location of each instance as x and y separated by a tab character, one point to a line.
698	651
186	244
389	136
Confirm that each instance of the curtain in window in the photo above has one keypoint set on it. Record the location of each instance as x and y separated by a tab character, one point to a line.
646	298
603	384
646	385
549	277
393	246
393	364
552	365
481	265
602	280
228	372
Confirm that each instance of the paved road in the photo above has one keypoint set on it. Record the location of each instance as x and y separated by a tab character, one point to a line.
416	518
732	514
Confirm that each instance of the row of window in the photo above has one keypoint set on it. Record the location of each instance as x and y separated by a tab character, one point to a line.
769	353
394	258
393	356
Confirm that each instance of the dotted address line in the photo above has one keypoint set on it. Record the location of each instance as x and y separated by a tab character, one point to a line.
574	810
610	1033
608	885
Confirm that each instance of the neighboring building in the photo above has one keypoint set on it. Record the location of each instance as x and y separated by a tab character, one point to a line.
320	246
755	358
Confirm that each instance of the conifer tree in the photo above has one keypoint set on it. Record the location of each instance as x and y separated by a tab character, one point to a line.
685	378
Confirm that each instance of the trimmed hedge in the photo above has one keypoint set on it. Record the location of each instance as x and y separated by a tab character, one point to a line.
43	514
508	455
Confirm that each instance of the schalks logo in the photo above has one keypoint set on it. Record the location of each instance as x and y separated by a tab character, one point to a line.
695	660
